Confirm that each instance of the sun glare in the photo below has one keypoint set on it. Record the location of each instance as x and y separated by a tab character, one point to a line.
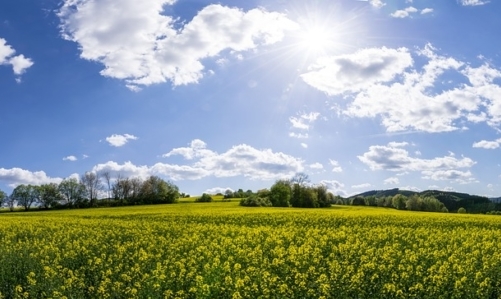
316	39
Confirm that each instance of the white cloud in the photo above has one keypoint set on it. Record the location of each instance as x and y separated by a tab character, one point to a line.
304	121
304	145
361	186
316	166
119	140
426	11
334	186
137	43
355	72
409	99
462	177
488	144
70	158
19	62
335	166
397	159
17	176
217	190
298	135
377	3
472	2
404	13
392	181
240	160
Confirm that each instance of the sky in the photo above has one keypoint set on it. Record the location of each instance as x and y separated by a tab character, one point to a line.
359	95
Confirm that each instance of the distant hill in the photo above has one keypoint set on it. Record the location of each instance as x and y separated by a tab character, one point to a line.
452	200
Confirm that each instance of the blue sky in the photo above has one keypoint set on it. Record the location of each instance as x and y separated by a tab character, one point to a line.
359	95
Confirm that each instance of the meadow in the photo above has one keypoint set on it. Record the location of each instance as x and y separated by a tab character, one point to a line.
222	250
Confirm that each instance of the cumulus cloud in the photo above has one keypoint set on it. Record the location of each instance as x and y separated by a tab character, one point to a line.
19	62
139	44
488	144
240	160
119	140
335	166
384	83
355	72
404	13
334	186
472	2
70	158
380	157
17	176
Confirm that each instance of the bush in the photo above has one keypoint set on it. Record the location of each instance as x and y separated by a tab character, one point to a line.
462	211
255	201
204	198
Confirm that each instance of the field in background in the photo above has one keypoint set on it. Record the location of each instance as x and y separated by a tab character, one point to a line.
222	250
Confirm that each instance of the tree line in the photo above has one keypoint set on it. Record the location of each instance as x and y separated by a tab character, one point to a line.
293	192
92	190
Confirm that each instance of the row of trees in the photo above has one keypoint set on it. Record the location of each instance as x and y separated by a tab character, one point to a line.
295	192
92	190
399	202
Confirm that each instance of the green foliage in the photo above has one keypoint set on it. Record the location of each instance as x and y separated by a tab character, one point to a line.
25	195
280	193
204	198
156	191
72	192
255	201
49	195
357	201
398	201
462	210
3	198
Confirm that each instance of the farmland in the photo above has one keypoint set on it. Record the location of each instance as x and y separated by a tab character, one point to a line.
222	250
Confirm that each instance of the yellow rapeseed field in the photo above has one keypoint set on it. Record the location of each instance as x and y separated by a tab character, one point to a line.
222	250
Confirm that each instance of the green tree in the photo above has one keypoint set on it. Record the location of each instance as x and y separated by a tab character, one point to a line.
72	192
462	211
3	198
90	180
398	201
48	195
357	201
155	190
204	198
280	193
414	203
25	195
323	197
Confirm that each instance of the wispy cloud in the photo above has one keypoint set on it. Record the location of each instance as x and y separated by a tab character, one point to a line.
472	2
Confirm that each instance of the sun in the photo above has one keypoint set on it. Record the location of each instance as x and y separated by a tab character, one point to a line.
316	38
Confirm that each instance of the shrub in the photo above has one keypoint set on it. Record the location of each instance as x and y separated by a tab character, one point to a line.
204	198
255	201
462	211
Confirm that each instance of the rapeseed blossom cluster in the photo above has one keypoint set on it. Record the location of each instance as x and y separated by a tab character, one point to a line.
221	250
